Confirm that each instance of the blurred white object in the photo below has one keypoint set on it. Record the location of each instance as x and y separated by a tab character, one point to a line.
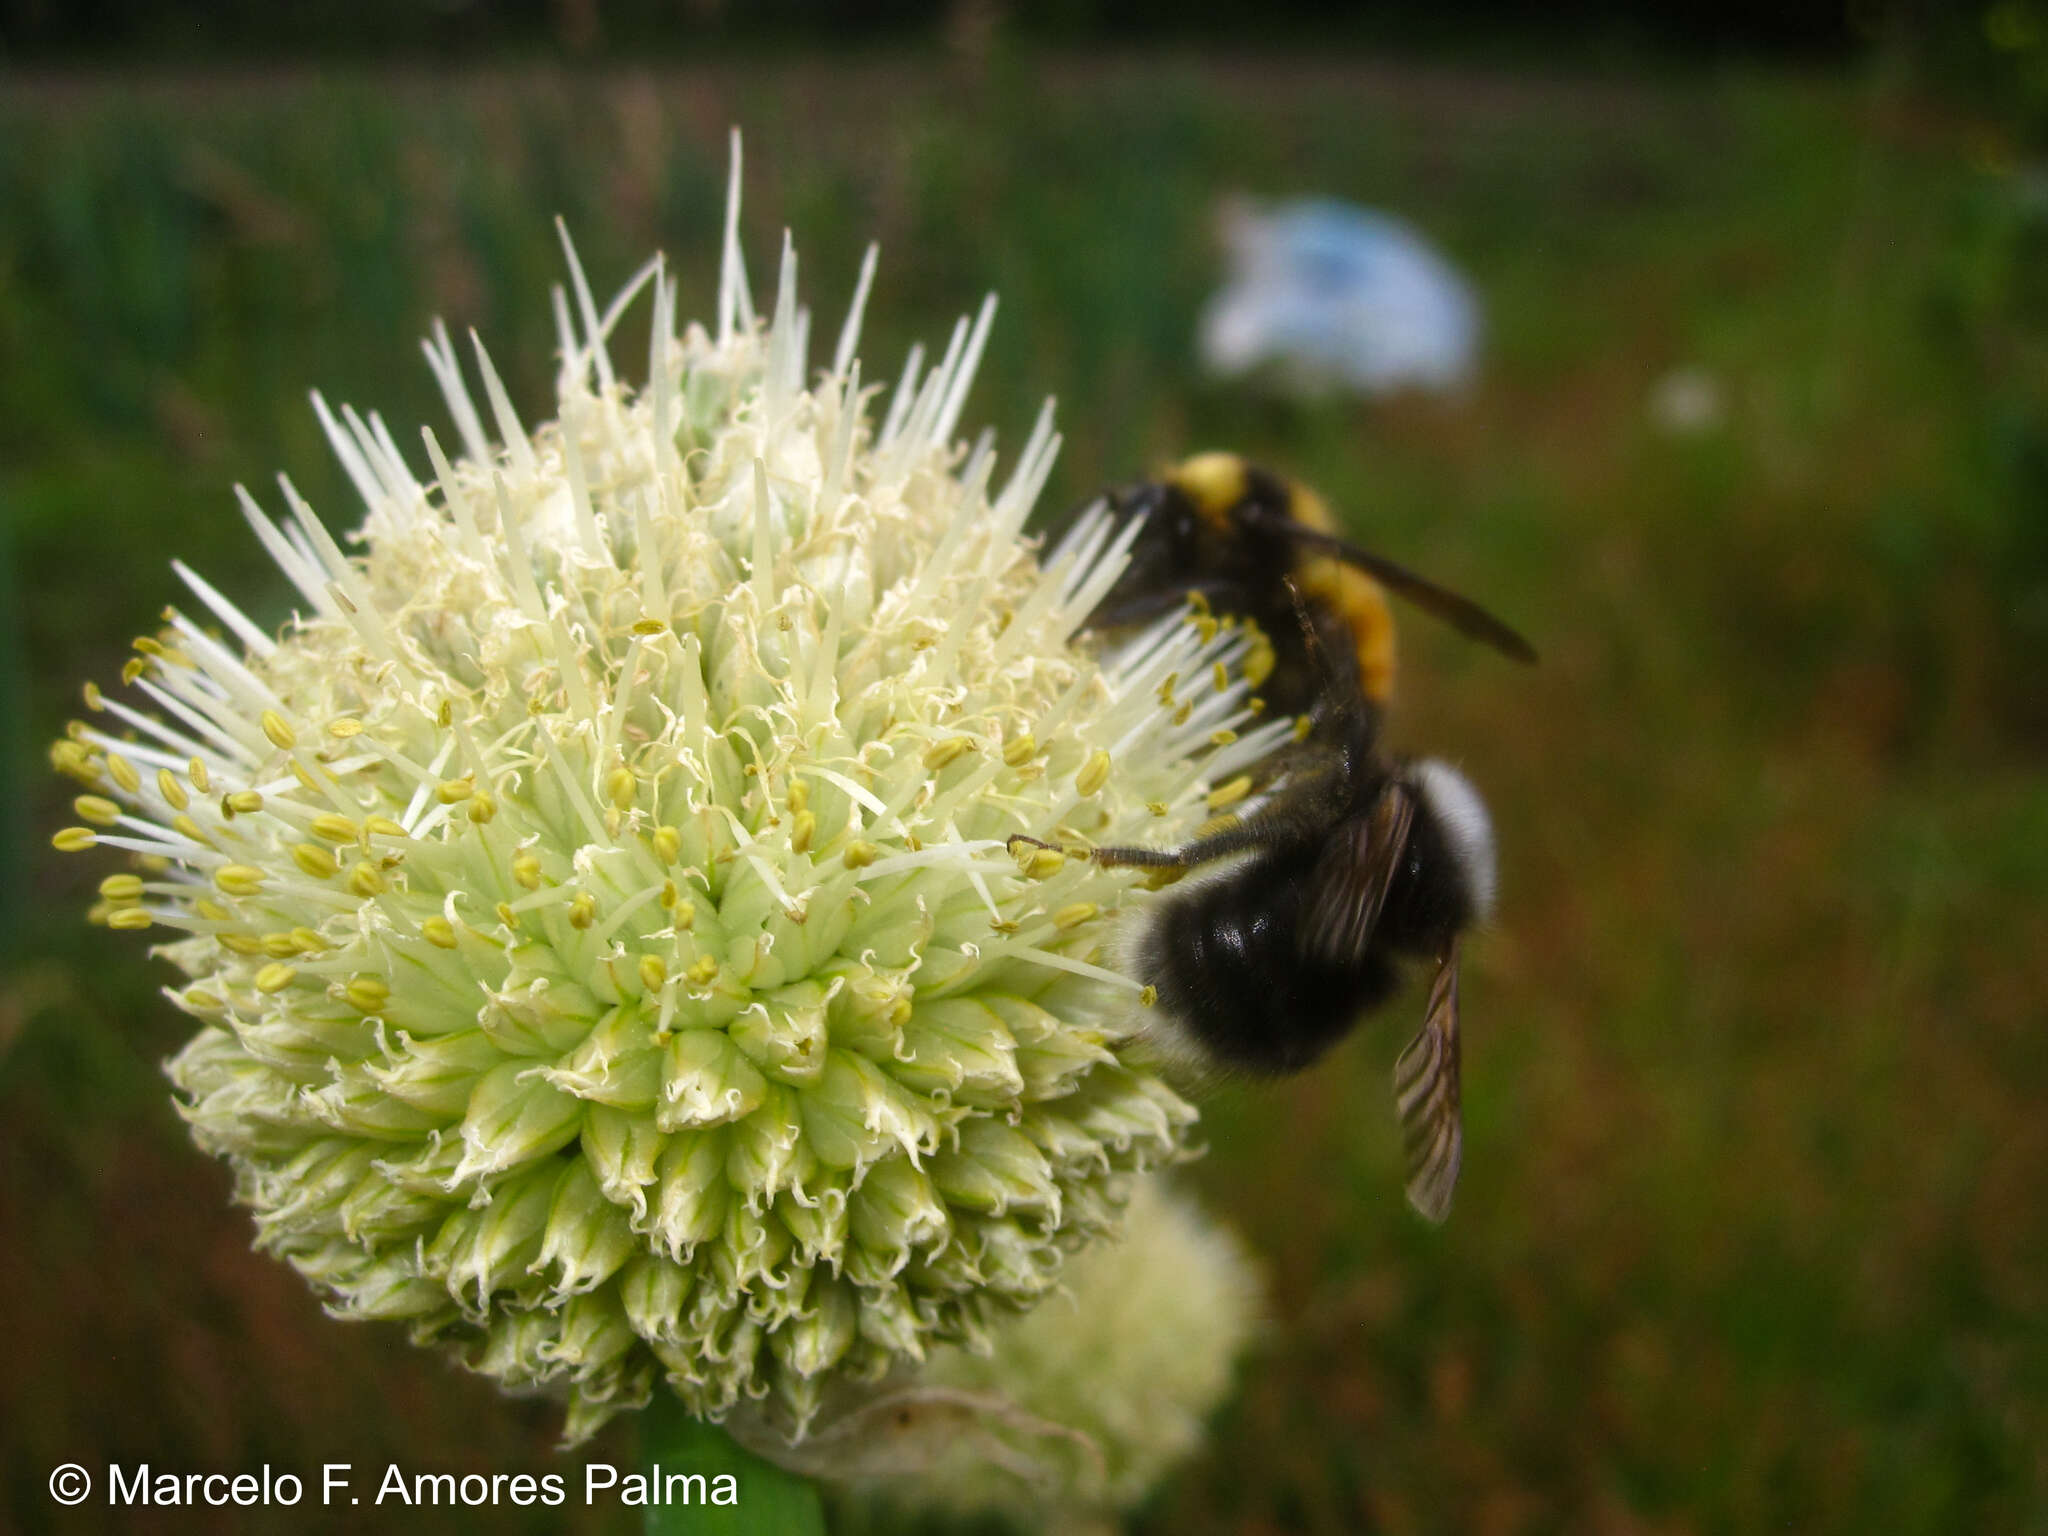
1328	293
1686	402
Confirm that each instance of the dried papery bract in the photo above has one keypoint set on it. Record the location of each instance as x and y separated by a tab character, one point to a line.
595	900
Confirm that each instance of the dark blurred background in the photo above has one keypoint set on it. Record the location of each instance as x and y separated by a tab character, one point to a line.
1754	1227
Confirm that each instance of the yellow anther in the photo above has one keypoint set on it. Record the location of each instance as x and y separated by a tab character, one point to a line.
1259	661
94	699
799	795
384	826
653	972
306	780
344	728
1043	863
367	993
583	910
650	627
186	827
1094	773
308	941
201	999
335	828
1209	828
363	879
1147	996
315	861
1230	793
240	944
1002	925
1206	627
280	946
282	736
152	863
1019	750
129	919
614	819
526	870
685	916
1166	689
75	760
669	894
201	780
453	791
1219	677
275	978
133	668
506	915
1222	738
172	791
703	970
482	808
147	646
952	748
211	910
620	787
802	828
445	715
1198	602
859	854
1180	716
668	844
1074	914
243	801
122	888
97	809
1157	807
1256	705
1302	726
239	879
439	932
899	1013
123	772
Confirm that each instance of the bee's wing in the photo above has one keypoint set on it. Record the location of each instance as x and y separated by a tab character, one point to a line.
1426	1089
1351	878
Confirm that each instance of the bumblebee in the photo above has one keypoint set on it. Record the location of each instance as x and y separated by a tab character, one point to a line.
1357	863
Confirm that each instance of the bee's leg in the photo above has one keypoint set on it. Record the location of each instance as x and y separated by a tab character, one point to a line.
1168	859
1312	800
1219	844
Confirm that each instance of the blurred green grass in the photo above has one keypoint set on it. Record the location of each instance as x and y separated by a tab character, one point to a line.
1754	1227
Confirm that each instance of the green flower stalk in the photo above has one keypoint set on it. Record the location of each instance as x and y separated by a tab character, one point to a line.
595	900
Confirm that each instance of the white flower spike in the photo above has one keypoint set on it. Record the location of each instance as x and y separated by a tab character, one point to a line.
595	900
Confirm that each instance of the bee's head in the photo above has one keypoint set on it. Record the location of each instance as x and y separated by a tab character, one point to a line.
1457	818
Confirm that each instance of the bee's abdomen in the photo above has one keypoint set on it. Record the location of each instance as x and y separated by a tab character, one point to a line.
1225	958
